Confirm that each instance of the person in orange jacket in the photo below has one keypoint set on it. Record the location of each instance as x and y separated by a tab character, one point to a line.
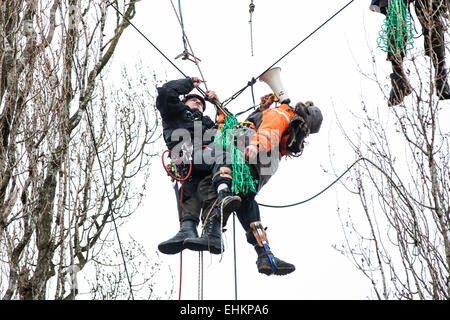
276	132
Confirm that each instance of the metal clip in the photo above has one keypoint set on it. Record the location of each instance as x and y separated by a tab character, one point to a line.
185	55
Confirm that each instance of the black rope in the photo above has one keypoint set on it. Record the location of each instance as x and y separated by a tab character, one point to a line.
287	53
154	46
404	197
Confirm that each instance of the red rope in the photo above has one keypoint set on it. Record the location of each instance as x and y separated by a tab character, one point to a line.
181	180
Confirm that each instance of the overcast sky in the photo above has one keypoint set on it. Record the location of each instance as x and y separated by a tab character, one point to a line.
327	69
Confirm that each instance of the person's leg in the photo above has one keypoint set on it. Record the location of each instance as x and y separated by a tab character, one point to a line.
191	207
267	263
433	31
213	221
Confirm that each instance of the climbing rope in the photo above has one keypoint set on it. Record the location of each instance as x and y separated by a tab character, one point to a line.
251	9
234	96
396	35
186	54
394	185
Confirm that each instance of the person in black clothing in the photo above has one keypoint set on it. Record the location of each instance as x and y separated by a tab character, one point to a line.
274	133
431	14
186	128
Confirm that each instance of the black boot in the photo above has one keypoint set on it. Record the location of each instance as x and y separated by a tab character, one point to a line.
400	89
267	263
264	265
211	239
222	181
227	202
442	89
175	244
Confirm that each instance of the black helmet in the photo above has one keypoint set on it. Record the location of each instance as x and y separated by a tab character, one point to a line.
193	95
307	119
310	114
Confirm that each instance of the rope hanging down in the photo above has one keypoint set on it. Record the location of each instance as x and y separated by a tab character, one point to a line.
251	9
396	35
234	96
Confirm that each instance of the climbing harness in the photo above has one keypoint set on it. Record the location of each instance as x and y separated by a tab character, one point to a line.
396	35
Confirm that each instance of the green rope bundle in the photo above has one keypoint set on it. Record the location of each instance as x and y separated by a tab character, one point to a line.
224	139
396	35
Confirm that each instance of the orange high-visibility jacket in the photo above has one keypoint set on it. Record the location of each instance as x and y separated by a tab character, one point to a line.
269	125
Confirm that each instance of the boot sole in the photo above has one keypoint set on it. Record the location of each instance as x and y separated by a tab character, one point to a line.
172	248
231	204
201	247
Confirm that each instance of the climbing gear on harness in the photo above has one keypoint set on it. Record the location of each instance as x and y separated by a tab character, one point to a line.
396	35
185	55
211	238
175	244
178	168
266	263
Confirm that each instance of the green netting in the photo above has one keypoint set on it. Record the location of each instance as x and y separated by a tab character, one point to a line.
396	35
225	139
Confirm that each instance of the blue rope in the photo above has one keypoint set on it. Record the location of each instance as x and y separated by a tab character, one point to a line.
182	24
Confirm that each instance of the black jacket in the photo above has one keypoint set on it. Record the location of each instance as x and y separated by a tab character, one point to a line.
176	115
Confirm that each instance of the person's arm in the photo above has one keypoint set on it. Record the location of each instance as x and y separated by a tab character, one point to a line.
168	100
268	135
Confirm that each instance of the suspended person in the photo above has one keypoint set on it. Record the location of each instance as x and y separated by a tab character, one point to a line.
431	14
276	132
189	133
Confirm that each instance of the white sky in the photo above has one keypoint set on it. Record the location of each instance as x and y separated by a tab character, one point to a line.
324	69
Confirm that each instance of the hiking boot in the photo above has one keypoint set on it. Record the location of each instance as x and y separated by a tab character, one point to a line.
227	202
261	245
400	89
175	244
264	264
211	239
442	89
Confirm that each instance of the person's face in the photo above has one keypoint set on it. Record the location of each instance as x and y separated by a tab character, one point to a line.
195	104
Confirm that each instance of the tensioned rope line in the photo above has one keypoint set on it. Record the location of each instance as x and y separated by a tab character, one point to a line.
253	80
154	46
402	195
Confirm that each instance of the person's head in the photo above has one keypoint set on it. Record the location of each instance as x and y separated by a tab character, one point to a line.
195	102
307	119
311	114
